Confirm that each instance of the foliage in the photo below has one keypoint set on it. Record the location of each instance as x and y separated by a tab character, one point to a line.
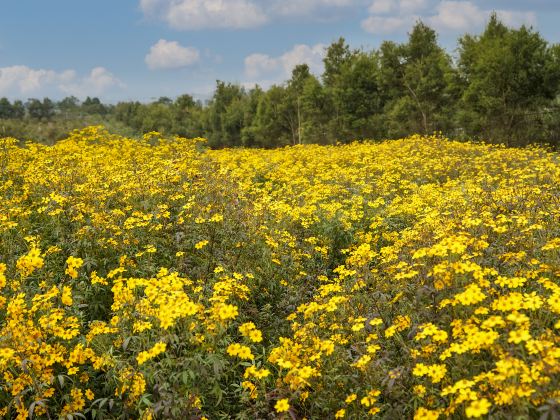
509	75
503	86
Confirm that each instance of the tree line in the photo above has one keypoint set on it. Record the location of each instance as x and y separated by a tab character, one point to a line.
502	85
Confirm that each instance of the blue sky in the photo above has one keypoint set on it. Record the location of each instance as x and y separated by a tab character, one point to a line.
143	49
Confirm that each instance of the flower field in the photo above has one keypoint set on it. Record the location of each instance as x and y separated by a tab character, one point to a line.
414	278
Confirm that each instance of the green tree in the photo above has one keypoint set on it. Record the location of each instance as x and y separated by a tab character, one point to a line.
248	133
6	108
359	101
40	110
509	75
352	86
187	117
337	57
294	96
164	100
18	109
156	116
275	123
417	79
316	107
129	114
93	106
225	115
68	106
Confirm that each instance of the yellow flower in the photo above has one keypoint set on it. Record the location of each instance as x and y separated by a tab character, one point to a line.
436	371
95	279
362	362
518	336
425	414
419	390
72	264
478	408
250	331
66	297
251	388
241	351
256	373
6	353
371	398
2	276
282	405
157	349
28	263
226	312
350	398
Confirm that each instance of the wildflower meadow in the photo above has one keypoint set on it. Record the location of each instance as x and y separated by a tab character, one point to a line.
156	278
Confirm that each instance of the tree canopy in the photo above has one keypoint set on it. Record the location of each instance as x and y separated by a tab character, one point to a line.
503	85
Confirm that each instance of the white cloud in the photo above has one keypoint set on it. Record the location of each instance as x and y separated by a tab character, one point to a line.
97	82
387	24
200	14
382	6
411	6
26	80
170	55
236	14
300	54
458	15
379	7
304	7
516	18
260	67
448	15
390	16
22	80
465	15
258	64
385	16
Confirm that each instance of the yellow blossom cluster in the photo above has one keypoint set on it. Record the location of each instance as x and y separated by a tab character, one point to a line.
72	265
146	355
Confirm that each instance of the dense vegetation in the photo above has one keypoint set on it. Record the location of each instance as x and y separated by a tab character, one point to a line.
501	86
154	278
